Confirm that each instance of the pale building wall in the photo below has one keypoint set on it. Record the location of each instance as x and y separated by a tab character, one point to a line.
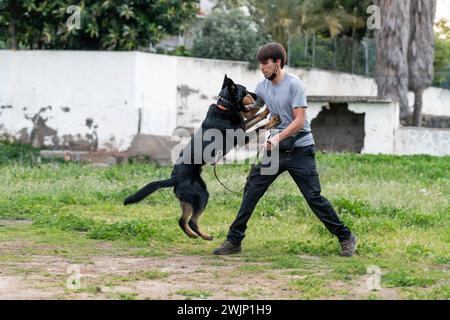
102	100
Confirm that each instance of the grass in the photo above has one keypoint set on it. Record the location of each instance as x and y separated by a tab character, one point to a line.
137	276
398	206
189	294
128	296
311	287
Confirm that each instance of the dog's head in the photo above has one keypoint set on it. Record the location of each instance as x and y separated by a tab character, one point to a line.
235	96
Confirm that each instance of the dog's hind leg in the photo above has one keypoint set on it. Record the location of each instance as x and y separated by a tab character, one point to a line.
193	223
183	222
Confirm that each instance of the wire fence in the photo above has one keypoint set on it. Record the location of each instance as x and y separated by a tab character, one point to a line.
343	54
442	79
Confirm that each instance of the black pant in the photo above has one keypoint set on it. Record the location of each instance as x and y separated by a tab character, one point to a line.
301	165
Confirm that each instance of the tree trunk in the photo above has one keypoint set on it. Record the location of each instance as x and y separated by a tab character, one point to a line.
353	49
421	52
314	51
417	114
391	73
334	53
289	62
13	11
306	45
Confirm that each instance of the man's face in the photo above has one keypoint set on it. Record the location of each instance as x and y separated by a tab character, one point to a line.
268	67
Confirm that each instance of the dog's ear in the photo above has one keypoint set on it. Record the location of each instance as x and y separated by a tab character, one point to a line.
232	89
231	86
225	81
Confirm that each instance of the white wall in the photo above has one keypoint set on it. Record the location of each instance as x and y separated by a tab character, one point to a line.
324	83
436	101
111	87
91	85
410	140
155	92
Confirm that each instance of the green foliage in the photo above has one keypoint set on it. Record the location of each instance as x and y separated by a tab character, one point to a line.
442	62
442	55
105	24
443	26
17	153
128	296
340	53
310	287
230	36
402	278
189	294
180	51
439	292
140	230
283	17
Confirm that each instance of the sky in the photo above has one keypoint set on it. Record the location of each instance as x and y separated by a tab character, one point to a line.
443	9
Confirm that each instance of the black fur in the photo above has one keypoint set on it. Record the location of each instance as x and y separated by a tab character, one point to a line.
148	189
186	179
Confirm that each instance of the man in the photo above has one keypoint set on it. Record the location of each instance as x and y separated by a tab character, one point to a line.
285	96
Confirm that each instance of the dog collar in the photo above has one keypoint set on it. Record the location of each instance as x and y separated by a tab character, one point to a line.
225	99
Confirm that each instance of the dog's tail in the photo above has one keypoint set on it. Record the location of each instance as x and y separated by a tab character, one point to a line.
149	189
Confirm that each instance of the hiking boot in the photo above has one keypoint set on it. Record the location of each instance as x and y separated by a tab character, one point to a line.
227	248
348	247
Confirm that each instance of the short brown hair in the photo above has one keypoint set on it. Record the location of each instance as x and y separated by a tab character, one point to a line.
272	51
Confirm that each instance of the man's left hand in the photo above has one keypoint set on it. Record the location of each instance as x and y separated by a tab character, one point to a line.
273	142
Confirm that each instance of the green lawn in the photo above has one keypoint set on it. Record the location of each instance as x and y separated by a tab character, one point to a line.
398	206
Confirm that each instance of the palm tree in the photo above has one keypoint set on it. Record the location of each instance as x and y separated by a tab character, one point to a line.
282	18
391	72
421	52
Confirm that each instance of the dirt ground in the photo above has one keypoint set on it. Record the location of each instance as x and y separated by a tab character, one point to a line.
29	271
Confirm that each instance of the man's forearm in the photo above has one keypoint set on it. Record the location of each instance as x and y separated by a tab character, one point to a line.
295	126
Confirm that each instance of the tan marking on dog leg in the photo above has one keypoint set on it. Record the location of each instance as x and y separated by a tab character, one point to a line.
275	121
186	213
203	235
256	119
272	123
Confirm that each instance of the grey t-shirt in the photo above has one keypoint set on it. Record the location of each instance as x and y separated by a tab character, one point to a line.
281	99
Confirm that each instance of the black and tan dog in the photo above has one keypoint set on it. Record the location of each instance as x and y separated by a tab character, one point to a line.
188	184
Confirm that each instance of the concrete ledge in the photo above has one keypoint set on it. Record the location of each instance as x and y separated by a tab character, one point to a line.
348	99
98	158
156	148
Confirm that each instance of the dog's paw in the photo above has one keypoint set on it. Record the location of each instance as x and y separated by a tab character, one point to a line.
207	237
